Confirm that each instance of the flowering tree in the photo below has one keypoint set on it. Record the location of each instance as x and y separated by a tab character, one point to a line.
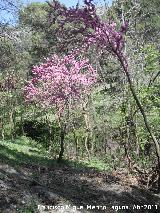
59	79
57	82
105	37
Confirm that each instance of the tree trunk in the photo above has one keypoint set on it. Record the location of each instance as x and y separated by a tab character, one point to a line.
2	128
86	146
125	68
62	137
12	122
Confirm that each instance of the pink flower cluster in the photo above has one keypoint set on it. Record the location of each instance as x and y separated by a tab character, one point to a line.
59	79
95	31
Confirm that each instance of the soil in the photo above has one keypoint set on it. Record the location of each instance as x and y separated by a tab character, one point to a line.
30	189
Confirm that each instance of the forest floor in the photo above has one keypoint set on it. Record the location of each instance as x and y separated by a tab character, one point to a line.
28	184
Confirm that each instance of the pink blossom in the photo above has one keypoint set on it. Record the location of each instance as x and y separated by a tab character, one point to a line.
58	79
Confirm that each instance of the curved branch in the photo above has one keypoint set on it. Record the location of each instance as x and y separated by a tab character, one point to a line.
125	68
152	80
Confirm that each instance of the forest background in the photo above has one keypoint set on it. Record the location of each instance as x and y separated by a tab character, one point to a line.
105	128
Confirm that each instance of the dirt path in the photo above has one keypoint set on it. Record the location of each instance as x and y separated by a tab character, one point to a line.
33	188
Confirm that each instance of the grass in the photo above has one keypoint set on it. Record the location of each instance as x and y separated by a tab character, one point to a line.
30	209
24	151
94	163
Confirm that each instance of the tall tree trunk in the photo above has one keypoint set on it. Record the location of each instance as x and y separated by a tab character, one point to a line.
13	124
86	146
125	68
62	137
2	128
76	141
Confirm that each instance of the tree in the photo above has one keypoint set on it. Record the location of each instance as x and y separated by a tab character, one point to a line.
34	17
106	39
59	82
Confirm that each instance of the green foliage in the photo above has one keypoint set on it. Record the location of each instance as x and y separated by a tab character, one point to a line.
38	131
99	164
112	112
34	15
32	208
7	52
151	58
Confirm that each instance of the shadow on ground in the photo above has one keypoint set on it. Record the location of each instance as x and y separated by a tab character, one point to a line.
25	183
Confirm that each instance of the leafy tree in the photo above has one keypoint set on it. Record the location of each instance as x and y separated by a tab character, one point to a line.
35	17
